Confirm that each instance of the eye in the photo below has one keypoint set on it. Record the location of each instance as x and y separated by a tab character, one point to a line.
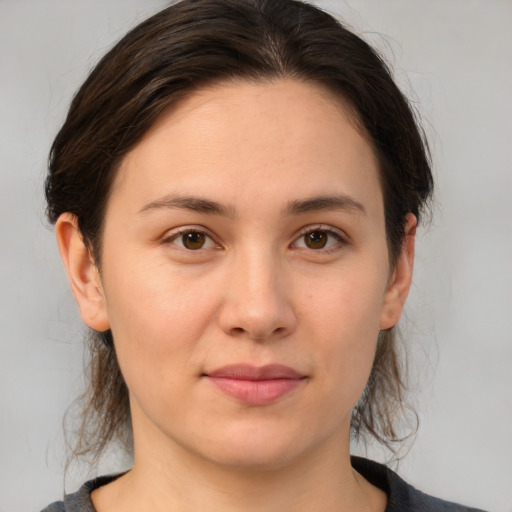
192	240
317	239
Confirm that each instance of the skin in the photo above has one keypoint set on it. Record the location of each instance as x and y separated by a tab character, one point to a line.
254	293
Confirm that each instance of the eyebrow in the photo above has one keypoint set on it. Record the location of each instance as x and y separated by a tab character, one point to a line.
297	207
191	203
313	204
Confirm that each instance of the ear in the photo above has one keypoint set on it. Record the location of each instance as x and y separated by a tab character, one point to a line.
83	273
401	278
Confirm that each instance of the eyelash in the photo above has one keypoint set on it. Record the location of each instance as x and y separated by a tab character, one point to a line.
340	240
171	239
309	230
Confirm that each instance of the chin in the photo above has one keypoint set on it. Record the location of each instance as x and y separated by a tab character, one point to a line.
256	449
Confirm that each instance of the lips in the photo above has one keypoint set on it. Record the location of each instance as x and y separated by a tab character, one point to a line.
254	385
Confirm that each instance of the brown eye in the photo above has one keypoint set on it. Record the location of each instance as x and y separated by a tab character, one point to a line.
193	240
316	239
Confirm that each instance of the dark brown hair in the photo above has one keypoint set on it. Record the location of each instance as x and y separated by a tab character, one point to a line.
187	46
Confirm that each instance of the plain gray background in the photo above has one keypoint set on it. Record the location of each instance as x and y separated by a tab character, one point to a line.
456	57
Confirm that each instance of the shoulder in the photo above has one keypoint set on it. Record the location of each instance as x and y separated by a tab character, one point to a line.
401	495
80	501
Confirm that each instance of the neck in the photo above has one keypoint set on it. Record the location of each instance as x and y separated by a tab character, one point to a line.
167	477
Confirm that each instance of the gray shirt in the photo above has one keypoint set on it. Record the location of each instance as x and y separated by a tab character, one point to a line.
402	497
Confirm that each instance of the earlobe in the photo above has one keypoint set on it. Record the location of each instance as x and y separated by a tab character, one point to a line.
401	278
82	273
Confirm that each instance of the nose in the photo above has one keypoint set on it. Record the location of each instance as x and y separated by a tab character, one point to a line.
257	304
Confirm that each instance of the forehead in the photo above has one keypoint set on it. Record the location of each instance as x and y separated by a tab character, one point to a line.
241	140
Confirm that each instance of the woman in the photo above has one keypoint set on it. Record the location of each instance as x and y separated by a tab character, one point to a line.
236	192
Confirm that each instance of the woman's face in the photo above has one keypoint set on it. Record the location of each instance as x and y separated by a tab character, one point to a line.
245	274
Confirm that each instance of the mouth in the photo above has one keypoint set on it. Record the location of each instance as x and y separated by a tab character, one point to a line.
253	385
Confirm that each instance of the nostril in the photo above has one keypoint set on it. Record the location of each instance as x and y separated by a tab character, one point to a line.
263	319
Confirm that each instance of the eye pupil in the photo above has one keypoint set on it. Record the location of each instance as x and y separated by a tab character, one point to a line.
193	240
316	239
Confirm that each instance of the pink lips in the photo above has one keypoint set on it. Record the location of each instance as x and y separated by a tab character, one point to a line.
256	385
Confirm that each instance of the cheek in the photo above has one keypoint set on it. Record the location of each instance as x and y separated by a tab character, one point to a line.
346	317
158	319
